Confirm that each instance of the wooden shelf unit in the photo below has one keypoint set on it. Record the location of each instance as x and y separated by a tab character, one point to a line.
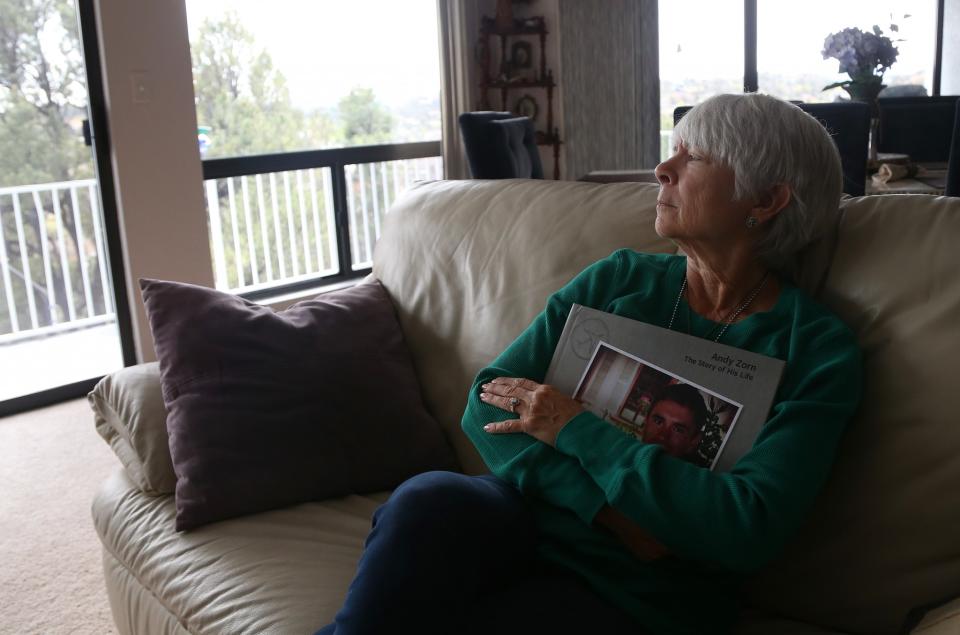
503	83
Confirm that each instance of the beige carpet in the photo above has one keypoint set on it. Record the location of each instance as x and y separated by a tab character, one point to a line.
51	461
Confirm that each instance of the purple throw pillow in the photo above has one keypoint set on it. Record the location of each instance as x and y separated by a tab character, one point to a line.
268	409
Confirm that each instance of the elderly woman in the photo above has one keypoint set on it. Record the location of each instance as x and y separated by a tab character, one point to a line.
581	528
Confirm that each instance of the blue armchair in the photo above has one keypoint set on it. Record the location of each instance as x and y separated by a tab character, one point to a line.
500	145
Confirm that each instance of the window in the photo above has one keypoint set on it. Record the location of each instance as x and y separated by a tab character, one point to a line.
700	56
702	48
313	116
303	75
789	62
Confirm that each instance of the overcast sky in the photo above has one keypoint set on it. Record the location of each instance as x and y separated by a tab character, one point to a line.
327	47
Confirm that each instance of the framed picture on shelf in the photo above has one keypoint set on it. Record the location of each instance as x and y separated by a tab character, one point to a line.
521	55
526	106
518	65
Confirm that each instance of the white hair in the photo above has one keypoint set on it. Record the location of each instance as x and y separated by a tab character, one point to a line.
766	141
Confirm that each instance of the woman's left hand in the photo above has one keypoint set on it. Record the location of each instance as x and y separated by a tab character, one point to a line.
543	409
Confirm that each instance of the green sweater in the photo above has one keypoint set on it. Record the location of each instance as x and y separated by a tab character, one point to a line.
718	526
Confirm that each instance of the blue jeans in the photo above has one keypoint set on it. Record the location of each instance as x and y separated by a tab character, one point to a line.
450	553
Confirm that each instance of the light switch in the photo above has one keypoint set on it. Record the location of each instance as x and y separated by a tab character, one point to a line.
140	88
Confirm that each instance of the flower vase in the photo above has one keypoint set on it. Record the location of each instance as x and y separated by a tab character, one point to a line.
868	93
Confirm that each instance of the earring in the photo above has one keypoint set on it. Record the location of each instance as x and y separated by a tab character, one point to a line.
751	221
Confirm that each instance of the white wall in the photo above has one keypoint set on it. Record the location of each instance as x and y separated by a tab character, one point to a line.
155	161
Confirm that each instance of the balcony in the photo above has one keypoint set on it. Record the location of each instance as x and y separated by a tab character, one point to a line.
57	319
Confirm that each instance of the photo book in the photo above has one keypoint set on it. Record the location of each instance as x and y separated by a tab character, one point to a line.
702	401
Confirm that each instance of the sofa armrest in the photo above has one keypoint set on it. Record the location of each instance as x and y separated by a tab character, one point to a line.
130	415
943	620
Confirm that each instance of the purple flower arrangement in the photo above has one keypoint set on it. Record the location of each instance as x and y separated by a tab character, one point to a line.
864	56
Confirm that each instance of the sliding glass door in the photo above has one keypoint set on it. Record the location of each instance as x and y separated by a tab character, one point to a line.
58	310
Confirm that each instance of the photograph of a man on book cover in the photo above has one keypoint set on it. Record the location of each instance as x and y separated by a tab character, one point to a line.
656	406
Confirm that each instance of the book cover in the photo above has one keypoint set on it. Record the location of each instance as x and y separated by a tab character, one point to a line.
702	401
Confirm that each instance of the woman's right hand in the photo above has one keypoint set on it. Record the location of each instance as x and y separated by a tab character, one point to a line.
634	537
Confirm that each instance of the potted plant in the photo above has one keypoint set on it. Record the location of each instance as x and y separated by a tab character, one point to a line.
864	56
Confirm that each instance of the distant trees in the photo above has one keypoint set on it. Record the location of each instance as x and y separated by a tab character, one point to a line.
245	100
364	121
42	103
42	93
239	93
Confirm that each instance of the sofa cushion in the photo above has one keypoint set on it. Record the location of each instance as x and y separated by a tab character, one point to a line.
269	409
129	414
283	571
470	263
882	538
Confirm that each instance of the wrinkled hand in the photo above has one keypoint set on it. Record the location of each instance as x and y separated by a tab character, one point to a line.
633	536
543	409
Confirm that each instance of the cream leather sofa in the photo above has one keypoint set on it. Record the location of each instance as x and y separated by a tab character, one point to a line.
468	264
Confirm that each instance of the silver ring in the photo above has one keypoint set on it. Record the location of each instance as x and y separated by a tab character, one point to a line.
514	402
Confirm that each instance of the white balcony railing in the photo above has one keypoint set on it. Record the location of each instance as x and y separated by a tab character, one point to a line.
279	227
53	264
261	231
372	188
